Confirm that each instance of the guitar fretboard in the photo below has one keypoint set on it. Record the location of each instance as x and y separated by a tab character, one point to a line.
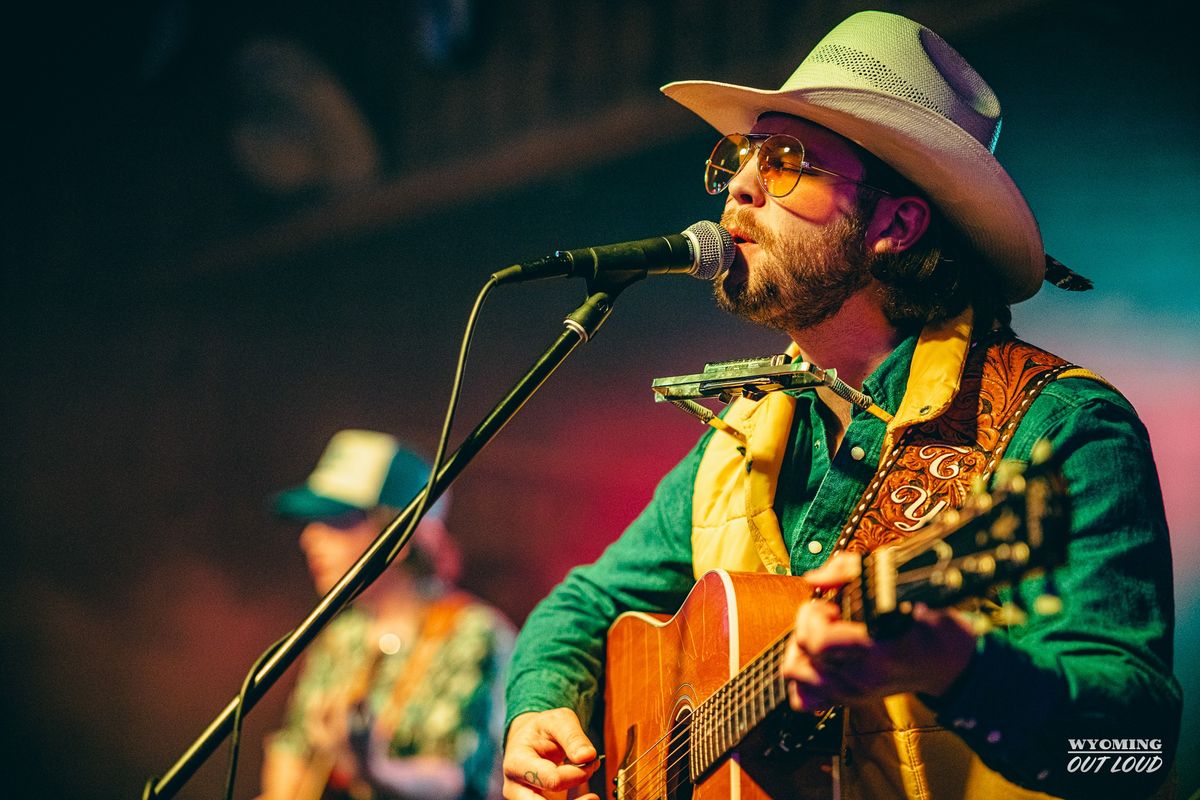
731	712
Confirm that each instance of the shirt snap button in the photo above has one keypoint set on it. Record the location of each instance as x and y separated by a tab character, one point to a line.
815	547
857	453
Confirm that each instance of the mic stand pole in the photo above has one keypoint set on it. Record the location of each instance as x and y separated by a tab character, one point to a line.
580	326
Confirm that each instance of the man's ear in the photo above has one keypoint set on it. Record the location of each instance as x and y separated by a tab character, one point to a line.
897	224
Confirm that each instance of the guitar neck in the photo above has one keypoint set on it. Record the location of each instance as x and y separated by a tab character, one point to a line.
731	712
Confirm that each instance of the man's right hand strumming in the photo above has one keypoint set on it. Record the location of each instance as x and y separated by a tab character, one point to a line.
547	754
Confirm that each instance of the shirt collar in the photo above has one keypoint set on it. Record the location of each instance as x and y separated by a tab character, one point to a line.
931	377
921	376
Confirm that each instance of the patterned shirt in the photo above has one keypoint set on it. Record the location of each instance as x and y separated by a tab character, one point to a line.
451	707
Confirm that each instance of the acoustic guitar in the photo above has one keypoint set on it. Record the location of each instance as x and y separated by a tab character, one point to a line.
695	705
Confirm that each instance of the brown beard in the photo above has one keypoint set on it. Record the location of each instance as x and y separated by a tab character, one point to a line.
803	280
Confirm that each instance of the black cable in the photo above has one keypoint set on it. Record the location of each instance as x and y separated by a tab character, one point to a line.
455	391
235	736
452	406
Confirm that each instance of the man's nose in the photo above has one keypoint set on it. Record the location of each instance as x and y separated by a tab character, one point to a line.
311	534
744	188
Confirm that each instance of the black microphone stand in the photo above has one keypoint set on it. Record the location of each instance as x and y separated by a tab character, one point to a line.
580	325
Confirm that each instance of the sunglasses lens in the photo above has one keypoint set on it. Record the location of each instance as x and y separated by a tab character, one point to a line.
780	164
726	159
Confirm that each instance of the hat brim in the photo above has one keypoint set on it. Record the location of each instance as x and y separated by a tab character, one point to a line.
303	503
959	174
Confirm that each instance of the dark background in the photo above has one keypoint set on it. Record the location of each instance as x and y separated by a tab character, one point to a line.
234	229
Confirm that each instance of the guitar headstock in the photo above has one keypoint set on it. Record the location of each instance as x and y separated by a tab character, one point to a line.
997	538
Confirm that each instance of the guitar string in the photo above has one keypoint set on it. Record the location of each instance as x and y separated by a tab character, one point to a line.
674	756
673	769
748	689
758	673
669	773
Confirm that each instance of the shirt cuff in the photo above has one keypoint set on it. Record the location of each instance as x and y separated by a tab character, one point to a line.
542	690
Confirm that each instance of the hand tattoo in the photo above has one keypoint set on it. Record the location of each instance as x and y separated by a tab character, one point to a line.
532	778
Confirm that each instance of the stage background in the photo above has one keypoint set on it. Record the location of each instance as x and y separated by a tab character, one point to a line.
234	229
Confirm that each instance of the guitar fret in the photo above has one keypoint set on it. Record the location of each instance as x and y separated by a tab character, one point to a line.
763	680
727	732
754	701
708	742
739	704
706	758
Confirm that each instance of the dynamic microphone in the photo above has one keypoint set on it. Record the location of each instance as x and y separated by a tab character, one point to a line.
703	251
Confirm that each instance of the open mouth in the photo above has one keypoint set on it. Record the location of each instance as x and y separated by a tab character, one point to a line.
739	236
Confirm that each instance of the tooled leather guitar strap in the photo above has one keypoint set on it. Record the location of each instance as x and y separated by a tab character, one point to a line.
934	465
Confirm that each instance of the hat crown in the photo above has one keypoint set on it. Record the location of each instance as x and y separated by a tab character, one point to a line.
354	467
890	54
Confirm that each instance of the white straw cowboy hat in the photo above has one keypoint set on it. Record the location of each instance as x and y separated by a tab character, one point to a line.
900	91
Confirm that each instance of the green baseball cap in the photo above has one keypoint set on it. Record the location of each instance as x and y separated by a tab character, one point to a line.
359	471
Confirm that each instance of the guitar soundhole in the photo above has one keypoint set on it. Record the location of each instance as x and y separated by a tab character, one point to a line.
677	769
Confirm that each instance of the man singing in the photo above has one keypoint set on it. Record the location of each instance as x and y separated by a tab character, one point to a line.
874	226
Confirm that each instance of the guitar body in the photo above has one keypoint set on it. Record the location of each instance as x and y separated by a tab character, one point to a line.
660	669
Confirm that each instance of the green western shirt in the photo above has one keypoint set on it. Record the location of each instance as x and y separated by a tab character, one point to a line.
1099	668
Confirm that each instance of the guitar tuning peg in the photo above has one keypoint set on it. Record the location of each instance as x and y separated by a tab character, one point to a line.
1048	604
1041	452
980	622
1010	475
1009	615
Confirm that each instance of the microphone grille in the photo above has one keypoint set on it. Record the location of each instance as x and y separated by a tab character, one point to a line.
713	249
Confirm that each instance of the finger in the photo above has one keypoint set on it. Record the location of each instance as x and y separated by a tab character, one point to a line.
590	767
519	791
557	731
796	659
840	569
807	697
843	637
563	728
816	611
812	618
795	701
542	774
803	682
551	779
515	791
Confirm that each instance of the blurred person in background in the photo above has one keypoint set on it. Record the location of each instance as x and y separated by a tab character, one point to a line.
399	697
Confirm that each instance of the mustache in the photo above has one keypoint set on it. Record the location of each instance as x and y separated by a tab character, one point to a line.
742	221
